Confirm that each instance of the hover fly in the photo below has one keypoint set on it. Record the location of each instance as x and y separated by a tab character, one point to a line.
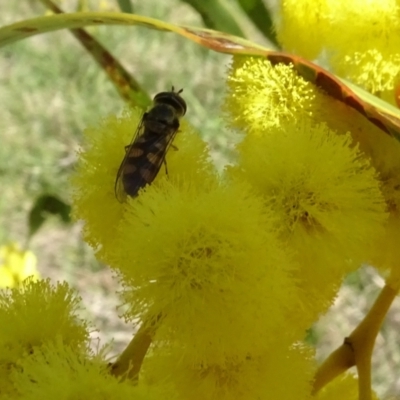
151	141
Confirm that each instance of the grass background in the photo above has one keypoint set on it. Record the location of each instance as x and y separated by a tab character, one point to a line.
51	90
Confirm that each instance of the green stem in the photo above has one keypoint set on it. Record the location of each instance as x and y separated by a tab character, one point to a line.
357	348
364	336
130	360
339	361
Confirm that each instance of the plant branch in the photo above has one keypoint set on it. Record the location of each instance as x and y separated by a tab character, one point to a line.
130	360
339	361
357	348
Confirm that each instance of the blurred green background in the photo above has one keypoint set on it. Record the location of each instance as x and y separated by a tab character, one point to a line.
51	89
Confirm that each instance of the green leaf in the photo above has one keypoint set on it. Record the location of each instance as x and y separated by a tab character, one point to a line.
219	14
44	206
311	337
377	108
261	17
381	114
218	41
125	6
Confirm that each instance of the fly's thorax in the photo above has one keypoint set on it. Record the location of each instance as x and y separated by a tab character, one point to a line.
162	117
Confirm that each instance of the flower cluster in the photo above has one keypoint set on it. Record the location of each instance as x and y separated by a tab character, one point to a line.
32	316
59	371
359	39
229	270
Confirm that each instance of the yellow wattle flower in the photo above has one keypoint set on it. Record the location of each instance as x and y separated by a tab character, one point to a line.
33	315
206	254
36	312
92	184
261	96
360	39
300	26
326	196
17	265
255	376
384	254
322	188
376	70
59	371
383	152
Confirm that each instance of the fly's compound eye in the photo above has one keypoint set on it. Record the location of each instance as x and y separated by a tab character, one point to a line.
173	99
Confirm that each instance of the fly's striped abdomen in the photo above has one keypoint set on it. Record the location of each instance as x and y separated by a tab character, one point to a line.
142	165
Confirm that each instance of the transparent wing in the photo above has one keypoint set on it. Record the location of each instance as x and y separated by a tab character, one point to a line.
119	189
143	167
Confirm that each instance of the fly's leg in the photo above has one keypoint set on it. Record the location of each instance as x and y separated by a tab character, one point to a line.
165	165
165	161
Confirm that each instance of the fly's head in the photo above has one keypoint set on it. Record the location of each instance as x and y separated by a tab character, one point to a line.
172	99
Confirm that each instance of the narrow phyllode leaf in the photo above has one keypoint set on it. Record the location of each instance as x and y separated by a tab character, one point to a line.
45	205
218	41
383	109
126	85
382	114
125	6
220	15
261	17
379	113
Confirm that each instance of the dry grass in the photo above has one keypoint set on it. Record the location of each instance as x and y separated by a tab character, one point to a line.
51	90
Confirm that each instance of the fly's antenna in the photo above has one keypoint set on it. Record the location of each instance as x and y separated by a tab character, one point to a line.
178	92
